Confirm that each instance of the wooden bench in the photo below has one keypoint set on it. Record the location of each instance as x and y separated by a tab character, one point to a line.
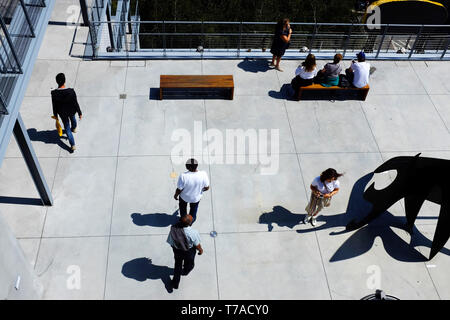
362	92
196	85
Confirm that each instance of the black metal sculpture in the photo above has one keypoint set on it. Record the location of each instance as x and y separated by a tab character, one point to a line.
418	179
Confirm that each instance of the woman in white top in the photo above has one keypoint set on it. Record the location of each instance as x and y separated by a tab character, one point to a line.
305	73
322	189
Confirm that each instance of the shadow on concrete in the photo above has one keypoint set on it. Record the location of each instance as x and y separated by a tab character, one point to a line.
254	65
155	219
282	217
141	269
332	95
286	93
49	137
21	201
362	240
154	94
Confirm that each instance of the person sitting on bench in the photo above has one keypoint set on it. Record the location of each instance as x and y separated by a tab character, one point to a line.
329	75
305	73
358	73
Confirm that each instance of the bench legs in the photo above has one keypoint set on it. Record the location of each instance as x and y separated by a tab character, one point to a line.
364	94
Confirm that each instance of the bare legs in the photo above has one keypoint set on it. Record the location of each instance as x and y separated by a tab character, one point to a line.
276	62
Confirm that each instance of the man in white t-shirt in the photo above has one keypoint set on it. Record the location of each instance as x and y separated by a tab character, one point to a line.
358	73
190	187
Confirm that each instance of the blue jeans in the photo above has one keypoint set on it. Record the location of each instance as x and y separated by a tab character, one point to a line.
192	211
68	128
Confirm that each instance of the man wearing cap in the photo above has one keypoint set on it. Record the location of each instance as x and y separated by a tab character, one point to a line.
190	187
358	73
185	242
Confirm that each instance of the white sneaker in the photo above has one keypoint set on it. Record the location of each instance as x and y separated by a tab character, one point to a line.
307	218
313	222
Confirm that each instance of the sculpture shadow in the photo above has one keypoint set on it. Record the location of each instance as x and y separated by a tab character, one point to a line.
362	240
21	201
155	219
48	137
286	93
254	65
282	217
142	269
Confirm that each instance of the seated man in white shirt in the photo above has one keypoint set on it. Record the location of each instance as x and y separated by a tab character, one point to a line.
358	73
190	187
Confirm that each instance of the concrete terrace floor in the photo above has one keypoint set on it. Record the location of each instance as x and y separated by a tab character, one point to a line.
113	197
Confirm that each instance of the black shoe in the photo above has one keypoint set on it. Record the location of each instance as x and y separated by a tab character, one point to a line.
175	286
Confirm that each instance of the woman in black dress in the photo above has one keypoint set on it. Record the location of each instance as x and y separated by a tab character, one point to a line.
280	42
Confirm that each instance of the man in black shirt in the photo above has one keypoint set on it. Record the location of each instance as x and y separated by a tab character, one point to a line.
65	105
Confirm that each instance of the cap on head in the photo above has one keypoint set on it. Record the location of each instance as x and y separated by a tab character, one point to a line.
60	79
361	56
191	164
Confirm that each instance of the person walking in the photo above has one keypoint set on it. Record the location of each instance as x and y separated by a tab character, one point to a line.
185	242
323	188
359	71
281	41
65	104
190	187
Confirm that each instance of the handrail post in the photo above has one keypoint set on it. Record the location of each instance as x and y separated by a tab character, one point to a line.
203	39
164	38
347	40
382	40
446	48
415	42
27	17
238	53
10	43
313	37
110	31
84	12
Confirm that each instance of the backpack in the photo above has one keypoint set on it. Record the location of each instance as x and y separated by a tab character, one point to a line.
343	81
179	237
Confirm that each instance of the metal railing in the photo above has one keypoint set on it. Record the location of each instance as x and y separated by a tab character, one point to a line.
181	39
18	19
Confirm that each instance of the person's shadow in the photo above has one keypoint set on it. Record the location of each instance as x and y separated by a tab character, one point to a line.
155	219
286	93
141	269
48	137
362	240
254	65
282	217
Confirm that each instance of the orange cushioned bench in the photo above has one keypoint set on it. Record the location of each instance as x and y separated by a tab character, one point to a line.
318	87
196	85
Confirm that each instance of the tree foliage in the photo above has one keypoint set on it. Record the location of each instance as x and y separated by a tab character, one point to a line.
247	10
